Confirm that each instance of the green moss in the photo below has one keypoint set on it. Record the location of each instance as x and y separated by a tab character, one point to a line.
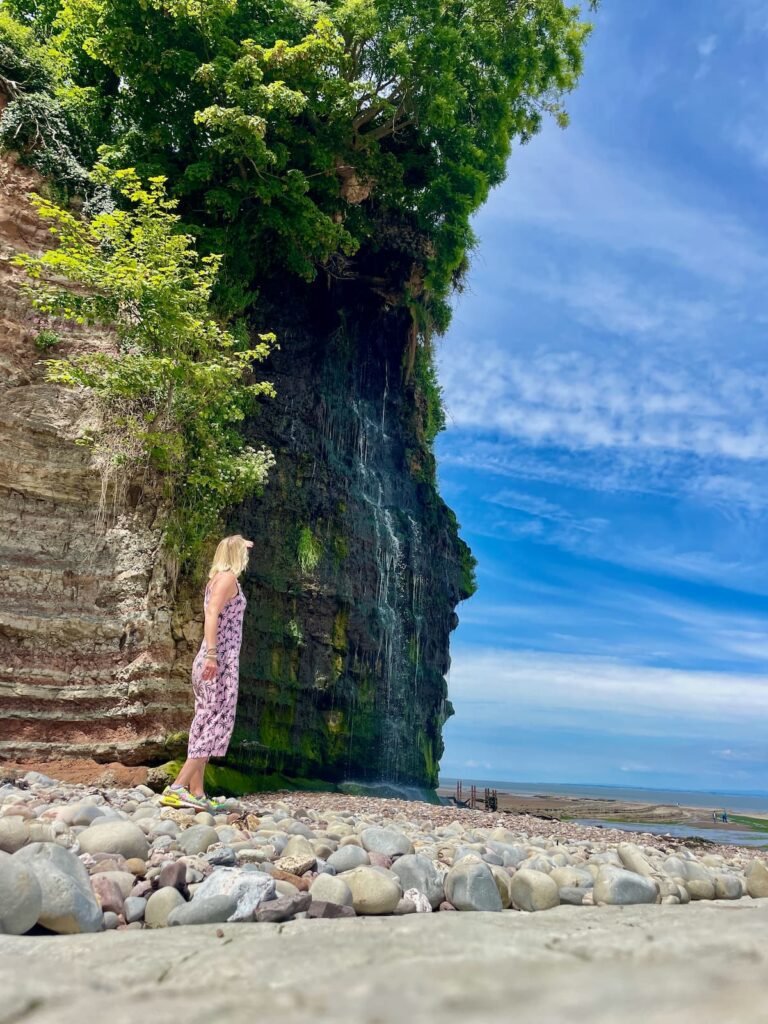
293	630
309	550
229	781
340	550
339	637
431	767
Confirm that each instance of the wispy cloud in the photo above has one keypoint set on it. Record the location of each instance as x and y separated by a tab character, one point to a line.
707	46
619	303
571	188
580	401
527	686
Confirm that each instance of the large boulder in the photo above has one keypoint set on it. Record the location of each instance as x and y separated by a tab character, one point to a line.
123	837
633	859
331	889
208	910
418	872
757	879
249	888
161	905
374	891
386	841
348	857
534	890
197	839
68	903
21	898
470	885
619	887
14	833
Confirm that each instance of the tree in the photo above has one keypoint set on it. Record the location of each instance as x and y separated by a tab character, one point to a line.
298	134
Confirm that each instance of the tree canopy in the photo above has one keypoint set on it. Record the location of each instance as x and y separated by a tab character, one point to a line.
301	135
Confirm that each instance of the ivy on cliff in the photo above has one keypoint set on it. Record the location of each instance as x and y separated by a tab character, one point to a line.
35	123
178	384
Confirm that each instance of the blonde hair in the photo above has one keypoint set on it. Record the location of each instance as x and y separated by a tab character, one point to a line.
231	556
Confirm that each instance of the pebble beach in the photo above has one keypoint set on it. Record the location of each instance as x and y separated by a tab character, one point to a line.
79	859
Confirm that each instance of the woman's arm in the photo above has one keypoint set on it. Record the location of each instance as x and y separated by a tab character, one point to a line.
223	589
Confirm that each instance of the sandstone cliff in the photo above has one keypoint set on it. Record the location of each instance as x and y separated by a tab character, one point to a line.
91	661
352	587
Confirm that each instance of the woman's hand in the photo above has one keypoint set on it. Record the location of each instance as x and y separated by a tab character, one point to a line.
209	670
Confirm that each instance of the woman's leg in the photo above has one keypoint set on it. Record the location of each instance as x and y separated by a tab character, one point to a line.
184	776
197	784
192	774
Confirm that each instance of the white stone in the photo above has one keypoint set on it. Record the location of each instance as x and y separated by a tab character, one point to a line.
534	890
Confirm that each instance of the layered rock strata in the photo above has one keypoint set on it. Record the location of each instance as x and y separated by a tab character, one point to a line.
91	661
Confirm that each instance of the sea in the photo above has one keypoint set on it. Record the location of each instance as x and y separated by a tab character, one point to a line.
755	802
739	803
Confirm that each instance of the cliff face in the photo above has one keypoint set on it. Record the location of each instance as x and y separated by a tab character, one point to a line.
91	661
356	569
352	586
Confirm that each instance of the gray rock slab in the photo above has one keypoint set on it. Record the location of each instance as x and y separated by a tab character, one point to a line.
592	964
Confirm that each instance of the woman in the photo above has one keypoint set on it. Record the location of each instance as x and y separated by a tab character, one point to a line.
214	674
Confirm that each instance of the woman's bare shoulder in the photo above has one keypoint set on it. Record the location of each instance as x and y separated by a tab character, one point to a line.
223	584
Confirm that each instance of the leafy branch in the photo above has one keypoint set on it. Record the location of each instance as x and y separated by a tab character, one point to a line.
176	388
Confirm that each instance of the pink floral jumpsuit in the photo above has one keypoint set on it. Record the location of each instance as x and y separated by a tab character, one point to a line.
216	700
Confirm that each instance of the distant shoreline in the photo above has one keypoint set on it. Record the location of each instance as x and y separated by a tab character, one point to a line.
615	810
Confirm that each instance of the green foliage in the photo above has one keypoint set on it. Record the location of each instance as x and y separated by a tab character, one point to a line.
428	394
24	66
468	565
46	339
309	550
36	124
294	130
177	387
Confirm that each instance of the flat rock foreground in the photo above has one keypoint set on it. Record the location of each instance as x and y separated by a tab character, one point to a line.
321	907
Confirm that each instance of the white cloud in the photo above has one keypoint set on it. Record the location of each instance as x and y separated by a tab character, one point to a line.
567	186
620	303
732	755
635	766
706	47
581	401
565	690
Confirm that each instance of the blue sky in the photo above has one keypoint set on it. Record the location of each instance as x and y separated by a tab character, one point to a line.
606	384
